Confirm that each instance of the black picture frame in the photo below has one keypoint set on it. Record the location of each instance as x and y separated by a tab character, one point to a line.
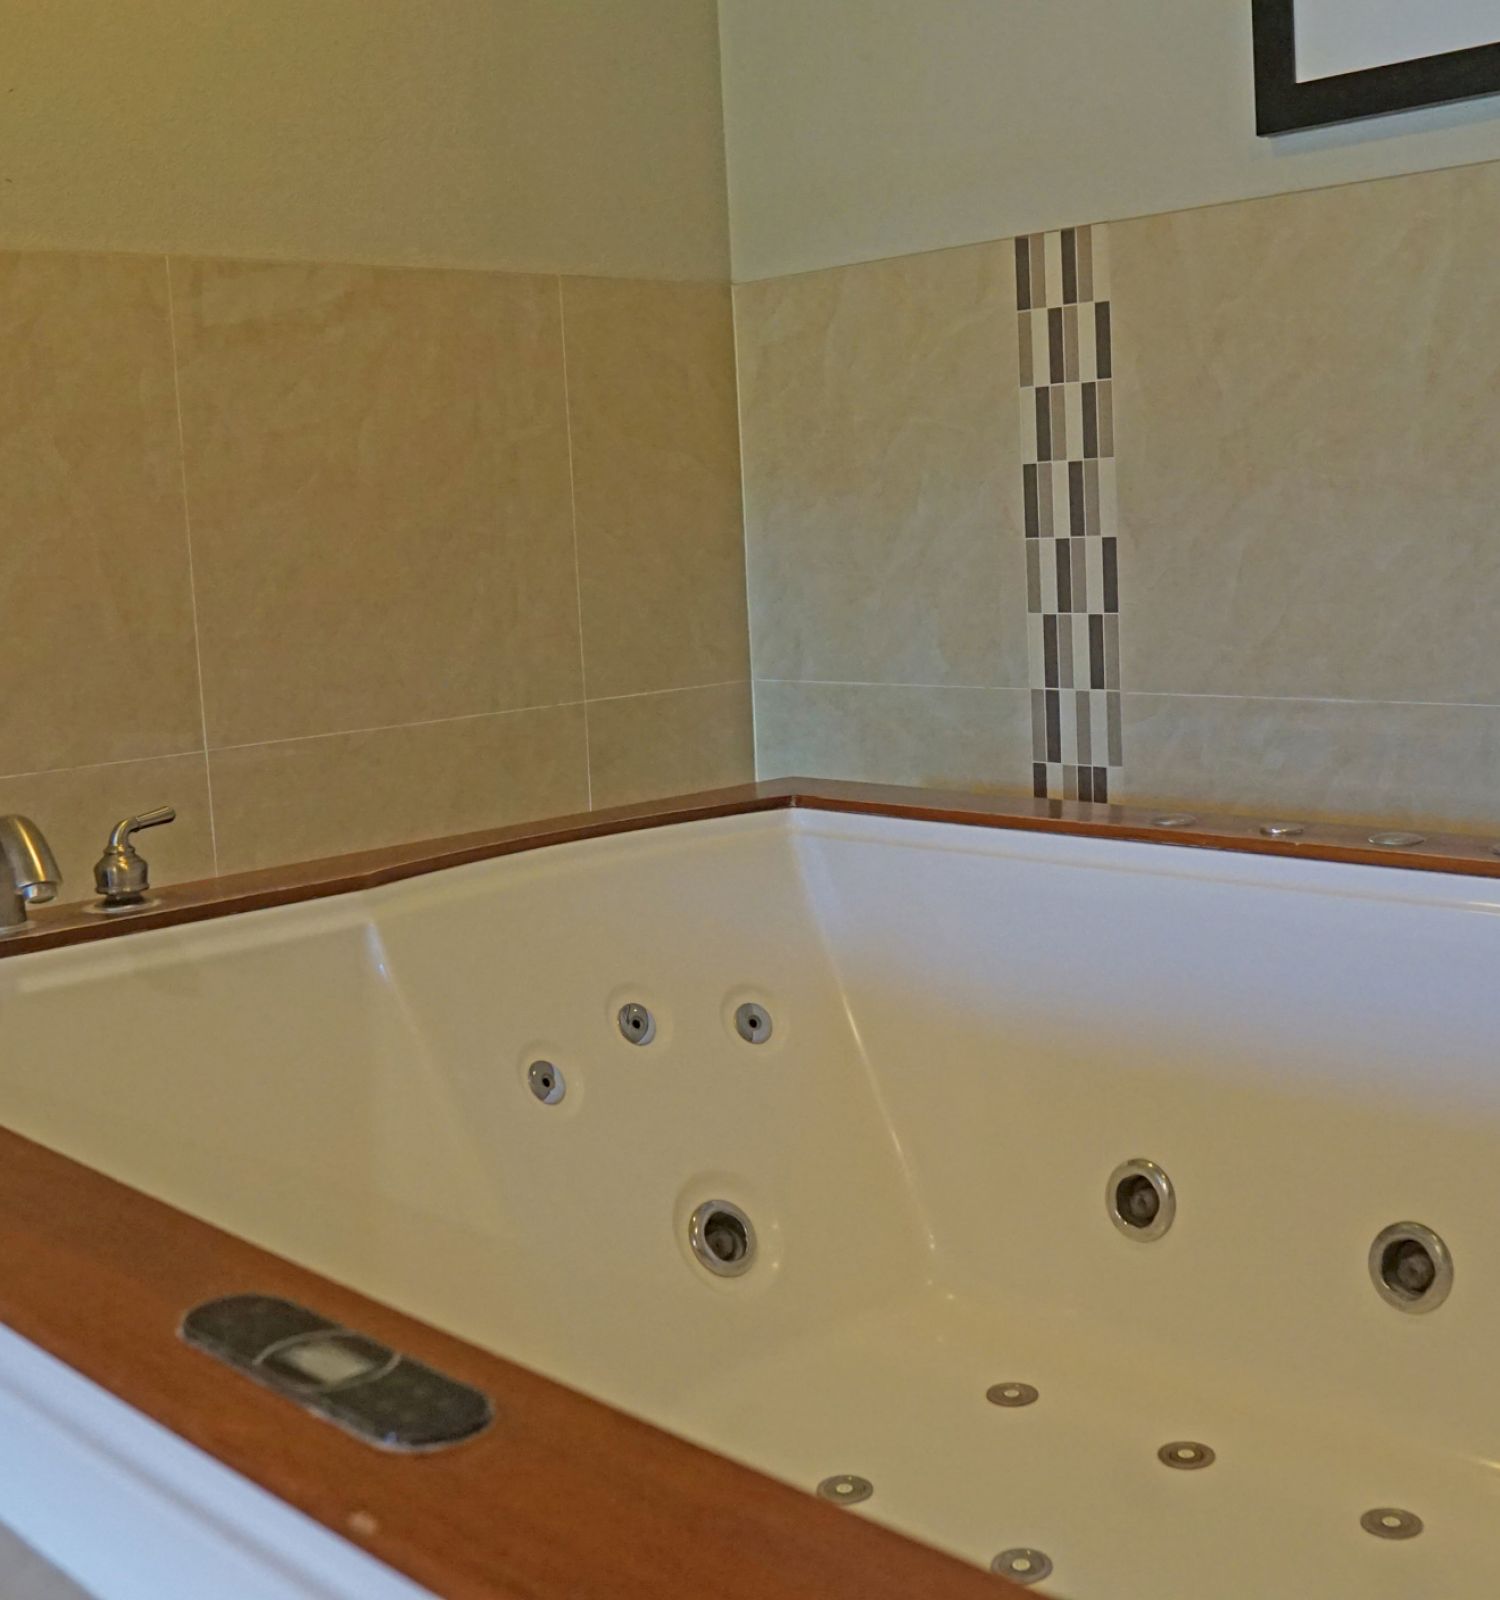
1282	105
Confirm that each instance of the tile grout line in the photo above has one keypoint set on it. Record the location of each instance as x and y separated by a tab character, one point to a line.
1138	694
583	670
877	683
394	727
462	716
187	528
681	688
92	766
729	683
387	727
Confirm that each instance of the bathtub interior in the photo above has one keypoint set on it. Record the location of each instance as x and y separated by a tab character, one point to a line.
969	1031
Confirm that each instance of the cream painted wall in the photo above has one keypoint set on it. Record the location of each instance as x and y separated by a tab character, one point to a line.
580	136
859	129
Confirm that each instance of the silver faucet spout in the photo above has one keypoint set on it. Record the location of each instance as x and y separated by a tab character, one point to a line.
30	875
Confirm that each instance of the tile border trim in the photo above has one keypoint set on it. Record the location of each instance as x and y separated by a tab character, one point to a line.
1070	512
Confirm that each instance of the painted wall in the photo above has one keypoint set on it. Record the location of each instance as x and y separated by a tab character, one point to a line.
861	129
579	136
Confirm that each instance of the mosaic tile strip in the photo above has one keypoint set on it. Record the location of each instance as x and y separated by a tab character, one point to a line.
1068	490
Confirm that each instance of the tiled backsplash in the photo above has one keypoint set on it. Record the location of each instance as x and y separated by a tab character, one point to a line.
881	431
330	557
1304	393
1198	509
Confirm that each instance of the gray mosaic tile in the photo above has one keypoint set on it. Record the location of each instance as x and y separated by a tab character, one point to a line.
1068	492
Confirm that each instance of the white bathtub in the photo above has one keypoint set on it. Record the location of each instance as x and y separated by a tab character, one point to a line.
971	1029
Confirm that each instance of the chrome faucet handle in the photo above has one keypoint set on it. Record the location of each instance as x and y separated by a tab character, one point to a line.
121	875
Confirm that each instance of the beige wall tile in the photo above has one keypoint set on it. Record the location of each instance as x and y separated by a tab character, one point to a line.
650	745
95	602
972	739
882	471
307	798
1424	765
378	484
77	808
656	468
1308	474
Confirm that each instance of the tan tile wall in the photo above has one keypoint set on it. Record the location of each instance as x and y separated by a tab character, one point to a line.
1308	499
333	556
1307	397
880	421
879	417
304	550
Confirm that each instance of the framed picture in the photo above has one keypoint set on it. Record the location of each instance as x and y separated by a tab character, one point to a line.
1325	61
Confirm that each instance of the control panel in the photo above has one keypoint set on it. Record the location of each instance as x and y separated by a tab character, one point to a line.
375	1393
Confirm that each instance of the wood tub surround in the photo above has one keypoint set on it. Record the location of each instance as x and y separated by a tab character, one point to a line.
562	1498
76	923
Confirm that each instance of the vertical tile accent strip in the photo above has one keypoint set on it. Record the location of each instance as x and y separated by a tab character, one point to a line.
1073	590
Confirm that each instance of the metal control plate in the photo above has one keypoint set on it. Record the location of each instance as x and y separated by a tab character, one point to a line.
380	1396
